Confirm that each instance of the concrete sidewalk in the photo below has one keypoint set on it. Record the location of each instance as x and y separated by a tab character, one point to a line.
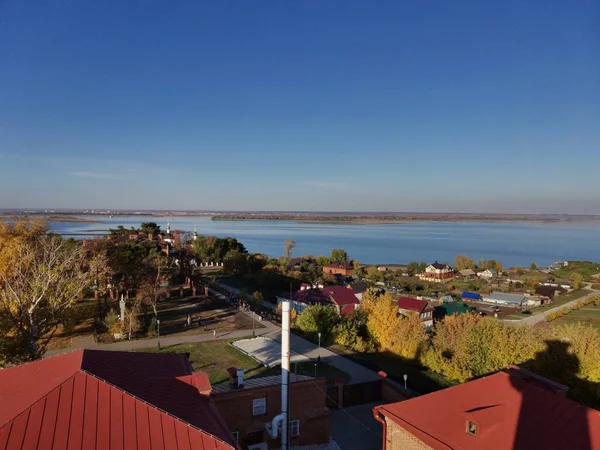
167	341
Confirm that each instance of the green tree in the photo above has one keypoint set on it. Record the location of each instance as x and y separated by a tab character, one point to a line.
352	330
358	270
288	246
533	266
413	268
318	318
373	274
150	228
339	255
463	262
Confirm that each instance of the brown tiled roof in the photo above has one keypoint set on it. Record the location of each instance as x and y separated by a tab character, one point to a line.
343	265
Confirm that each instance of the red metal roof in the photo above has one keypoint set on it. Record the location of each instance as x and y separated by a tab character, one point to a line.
510	412
340	295
412	304
108	400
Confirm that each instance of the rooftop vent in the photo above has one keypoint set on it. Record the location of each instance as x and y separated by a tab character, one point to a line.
471	428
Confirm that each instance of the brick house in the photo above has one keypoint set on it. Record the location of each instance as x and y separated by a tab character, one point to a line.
408	305
249	408
343	268
342	298
515	410
437	273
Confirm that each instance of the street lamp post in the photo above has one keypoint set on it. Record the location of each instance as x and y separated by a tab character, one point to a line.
253	332
315	370
158	332
319	340
405	378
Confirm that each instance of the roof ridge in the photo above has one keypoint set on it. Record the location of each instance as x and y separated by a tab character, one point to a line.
135	397
58	386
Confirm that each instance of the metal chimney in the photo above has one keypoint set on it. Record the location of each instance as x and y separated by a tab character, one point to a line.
281	419
285	372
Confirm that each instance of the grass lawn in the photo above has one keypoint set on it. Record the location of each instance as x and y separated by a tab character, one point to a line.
559	300
214	358
585	268
249	284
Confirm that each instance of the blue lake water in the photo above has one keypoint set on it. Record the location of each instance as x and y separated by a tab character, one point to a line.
512	243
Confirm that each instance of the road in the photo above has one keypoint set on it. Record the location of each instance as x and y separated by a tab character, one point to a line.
541	317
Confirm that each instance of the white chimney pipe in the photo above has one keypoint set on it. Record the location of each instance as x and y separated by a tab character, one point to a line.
281	419
285	372
240	377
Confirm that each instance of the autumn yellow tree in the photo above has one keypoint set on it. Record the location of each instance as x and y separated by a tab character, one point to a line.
41	276
383	320
410	341
577	280
462	261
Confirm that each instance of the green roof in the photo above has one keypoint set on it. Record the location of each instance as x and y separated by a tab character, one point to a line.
450	308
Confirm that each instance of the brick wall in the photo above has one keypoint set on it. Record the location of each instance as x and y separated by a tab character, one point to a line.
398	438
307	404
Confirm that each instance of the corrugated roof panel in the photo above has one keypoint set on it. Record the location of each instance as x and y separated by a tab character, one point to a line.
4	435
116	420
169	432
129	422
156	434
143	430
183	438
75	430
17	433
90	414
103	417
196	440
51	425
36	415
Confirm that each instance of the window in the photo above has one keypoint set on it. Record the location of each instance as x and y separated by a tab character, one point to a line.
294	427
259	406
471	428
236	436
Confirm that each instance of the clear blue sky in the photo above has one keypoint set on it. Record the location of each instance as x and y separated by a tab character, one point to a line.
301	105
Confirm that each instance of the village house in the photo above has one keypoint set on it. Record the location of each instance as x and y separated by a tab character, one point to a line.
437	273
359	288
342	298
514	410
508	300
249	405
467	273
343	268
107	399
450	309
487	274
408	305
471	296
549	292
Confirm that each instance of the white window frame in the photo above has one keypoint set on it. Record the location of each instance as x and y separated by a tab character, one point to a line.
294	424
236	436
259	406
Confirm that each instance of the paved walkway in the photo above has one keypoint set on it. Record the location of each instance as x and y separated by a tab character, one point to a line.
541	317
355	428
168	340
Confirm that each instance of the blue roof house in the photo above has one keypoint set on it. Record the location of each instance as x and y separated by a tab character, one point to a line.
471	296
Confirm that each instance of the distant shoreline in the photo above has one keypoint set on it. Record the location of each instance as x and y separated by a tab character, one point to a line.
47	218
393	219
